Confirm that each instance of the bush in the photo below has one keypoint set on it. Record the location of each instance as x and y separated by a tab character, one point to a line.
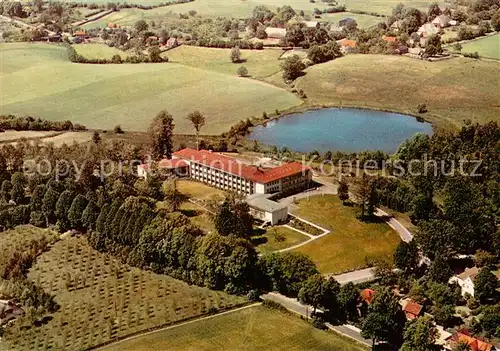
242	71
318	322
118	129
474	55
253	295
422	108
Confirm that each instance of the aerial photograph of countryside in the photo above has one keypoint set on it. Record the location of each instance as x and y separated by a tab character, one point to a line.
250	175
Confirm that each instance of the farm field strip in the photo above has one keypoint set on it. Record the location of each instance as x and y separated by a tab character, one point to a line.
488	47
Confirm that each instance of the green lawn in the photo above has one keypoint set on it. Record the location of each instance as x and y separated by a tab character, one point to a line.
364	21
486	47
254	328
350	242
260	63
276	238
198	216
454	90
38	80
198	190
98	51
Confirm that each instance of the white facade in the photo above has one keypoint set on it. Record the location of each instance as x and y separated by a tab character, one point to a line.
467	285
272	217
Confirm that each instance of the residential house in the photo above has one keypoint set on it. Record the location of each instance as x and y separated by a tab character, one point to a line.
347	21
275	32
397	25
466	280
347	45
465	337
172	42
311	24
443	21
412	309
80	34
389	39
9	310
426	30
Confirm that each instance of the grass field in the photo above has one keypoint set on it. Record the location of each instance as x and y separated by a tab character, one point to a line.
453	90
102	300
38	80
98	51
12	135
364	21
260	63
351	241
198	190
486	47
276	238
385	6
254	328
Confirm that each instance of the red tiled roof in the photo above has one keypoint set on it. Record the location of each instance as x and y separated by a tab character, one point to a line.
348	42
367	295
474	344
389	39
412	310
165	163
232	166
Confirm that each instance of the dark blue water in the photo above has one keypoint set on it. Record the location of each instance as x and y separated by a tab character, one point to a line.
343	129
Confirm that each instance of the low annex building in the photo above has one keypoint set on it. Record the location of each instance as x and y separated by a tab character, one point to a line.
266	210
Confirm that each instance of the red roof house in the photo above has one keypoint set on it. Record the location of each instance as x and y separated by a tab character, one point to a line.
474	344
367	296
412	310
389	39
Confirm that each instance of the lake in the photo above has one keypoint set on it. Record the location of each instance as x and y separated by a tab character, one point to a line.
342	129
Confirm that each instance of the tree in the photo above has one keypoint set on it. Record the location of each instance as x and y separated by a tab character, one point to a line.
90	215
484	258
76	211
160	132
485	285
433	46
461	346
242	71
444	315
292	67
172	195
495	21
433	11
406	256
419	335
141	26
63	204
438	238
490	321
385	320
365	195
348	300
17	193
155	54
235	55
343	191
233	218
197	119
49	204
457	47
116	58
5	190
36	201
312	291
440	271
96	138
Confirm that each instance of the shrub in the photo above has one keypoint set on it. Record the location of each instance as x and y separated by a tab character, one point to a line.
118	129
242	71
422	108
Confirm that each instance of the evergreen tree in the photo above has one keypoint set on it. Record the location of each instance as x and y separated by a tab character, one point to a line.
49	204
406	256
161	131
5	190
419	335
90	215
63	204
101	219
343	191
36	202
76	211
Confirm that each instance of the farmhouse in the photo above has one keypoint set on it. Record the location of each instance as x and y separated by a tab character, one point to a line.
426	30
443	21
347	21
228	174
172	43
389	39
347	45
275	32
311	24
411	309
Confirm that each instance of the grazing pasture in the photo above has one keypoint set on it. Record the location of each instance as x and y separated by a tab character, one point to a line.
253	328
351	243
453	90
488	47
103	300
42	82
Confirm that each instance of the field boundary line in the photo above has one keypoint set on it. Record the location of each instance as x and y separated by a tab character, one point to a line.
173	326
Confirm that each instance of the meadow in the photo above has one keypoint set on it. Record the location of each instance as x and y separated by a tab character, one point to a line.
488	47
351	242
253	328
103	300
385	6
260	63
98	51
42	82
453	90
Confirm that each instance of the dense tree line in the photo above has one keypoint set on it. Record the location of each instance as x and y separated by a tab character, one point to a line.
32	123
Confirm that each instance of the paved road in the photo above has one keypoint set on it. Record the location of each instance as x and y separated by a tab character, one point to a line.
304	310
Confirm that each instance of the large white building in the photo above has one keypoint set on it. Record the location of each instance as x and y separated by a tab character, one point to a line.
228	174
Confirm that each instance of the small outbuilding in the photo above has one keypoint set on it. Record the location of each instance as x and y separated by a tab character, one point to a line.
275	32
267	210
